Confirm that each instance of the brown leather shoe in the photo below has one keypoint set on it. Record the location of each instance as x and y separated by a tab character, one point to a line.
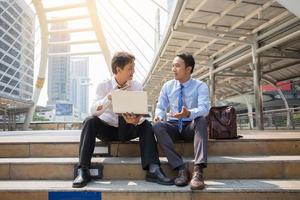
197	182
182	178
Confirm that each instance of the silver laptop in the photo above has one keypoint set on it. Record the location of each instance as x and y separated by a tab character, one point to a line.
129	101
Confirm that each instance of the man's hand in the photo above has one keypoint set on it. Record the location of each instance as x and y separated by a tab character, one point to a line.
131	118
109	96
183	114
157	119
99	107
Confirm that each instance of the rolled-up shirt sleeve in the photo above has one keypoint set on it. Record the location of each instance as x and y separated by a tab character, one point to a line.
100	100
203	103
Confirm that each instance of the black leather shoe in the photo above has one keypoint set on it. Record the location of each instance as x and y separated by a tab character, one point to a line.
159	177
82	179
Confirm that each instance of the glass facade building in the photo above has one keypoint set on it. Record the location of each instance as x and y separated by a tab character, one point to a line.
59	67
80	85
17	22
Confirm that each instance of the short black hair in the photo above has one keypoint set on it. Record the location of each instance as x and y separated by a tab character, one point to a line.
188	59
120	59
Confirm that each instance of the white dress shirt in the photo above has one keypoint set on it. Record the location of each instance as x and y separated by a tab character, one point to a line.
103	89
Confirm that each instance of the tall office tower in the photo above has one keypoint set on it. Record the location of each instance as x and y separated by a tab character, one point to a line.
80	85
59	66
16	50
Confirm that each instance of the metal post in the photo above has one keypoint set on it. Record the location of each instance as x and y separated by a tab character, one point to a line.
212	85
257	88
292	118
5	115
250	116
9	122
13	120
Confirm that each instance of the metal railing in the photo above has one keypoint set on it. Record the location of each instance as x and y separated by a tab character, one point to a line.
43	125
273	119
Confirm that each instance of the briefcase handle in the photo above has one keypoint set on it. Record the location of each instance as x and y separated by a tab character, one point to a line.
222	109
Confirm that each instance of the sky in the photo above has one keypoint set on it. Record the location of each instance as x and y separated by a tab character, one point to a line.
124	29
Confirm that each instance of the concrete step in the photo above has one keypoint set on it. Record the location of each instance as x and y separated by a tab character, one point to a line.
122	168
222	147
66	143
136	190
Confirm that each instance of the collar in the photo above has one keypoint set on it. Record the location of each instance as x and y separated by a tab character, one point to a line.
185	84
115	84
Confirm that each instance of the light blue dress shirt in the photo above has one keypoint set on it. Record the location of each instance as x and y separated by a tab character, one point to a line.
195	99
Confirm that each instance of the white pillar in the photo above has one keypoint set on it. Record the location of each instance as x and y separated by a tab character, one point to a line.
250	115
43	63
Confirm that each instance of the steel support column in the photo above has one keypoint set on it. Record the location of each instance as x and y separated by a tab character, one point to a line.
257	88
212	85
250	114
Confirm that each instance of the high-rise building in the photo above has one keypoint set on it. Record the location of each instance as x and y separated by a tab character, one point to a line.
16	50
80	84
59	67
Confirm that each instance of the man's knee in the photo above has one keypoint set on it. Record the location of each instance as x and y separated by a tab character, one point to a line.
146	124
145	127
201	124
91	120
157	128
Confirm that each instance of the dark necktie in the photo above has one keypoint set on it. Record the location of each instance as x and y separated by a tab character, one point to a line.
180	105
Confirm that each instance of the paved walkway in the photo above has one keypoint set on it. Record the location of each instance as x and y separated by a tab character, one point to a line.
254	185
74	135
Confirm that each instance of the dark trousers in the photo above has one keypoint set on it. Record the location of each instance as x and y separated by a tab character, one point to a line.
96	128
167	133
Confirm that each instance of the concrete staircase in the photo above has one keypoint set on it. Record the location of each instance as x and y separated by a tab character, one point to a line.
40	164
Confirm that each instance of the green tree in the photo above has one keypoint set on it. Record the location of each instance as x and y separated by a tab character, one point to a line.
39	118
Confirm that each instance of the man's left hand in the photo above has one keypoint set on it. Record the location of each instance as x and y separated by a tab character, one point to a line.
183	114
131	118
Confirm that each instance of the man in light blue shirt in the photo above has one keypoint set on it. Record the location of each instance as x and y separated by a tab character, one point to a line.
187	103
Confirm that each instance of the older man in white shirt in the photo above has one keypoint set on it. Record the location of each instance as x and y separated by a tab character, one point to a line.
106	125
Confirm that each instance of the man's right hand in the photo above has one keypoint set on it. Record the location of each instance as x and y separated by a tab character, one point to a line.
132	118
99	107
157	119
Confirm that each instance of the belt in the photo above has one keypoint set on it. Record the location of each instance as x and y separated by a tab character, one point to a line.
176	121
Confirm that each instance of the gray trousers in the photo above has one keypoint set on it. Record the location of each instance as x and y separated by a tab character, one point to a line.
167	133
